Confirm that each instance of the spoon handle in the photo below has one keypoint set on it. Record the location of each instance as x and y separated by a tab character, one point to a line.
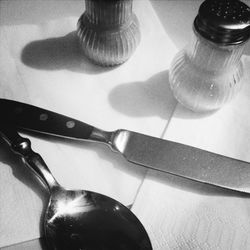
22	146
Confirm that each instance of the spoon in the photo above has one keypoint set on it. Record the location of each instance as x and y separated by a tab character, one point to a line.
79	219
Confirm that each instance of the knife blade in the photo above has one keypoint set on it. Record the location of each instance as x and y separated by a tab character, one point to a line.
155	153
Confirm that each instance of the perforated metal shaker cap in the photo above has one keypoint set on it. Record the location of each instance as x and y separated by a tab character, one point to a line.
226	22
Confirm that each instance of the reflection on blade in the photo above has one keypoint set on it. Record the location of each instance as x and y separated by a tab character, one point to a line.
185	161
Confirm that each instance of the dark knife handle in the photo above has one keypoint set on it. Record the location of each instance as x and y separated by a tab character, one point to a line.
40	120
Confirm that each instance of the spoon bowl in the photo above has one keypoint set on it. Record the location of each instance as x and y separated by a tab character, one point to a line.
91	221
79	219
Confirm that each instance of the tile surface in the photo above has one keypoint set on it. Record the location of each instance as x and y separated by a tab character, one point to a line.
40	64
183	214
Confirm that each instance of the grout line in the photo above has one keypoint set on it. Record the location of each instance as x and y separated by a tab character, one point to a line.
147	170
167	125
138	189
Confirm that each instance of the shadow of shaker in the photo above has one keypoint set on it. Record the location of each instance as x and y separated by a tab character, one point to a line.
59	53
152	97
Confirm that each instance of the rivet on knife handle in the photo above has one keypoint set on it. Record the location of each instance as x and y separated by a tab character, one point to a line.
40	120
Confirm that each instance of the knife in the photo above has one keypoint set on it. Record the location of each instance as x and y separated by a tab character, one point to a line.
162	155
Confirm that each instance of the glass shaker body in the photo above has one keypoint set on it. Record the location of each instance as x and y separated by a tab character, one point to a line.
108	31
204	75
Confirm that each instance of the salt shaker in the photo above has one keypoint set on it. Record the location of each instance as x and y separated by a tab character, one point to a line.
209	71
108	31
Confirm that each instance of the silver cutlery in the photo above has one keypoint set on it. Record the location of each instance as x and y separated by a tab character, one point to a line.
79	219
148	151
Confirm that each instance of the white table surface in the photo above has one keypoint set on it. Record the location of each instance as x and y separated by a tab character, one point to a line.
40	65
183	214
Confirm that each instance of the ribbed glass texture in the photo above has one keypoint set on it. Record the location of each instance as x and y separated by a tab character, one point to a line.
108	31
204	76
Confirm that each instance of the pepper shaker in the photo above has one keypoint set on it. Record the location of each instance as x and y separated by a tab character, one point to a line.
108	31
208	72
